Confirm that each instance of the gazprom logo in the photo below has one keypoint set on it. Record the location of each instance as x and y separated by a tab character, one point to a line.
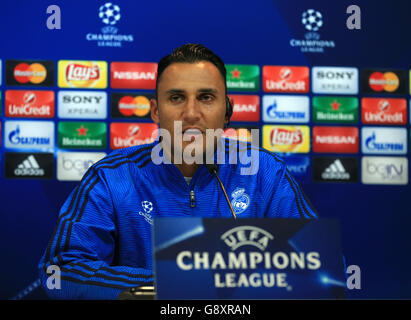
290	109
384	140
29	134
246	235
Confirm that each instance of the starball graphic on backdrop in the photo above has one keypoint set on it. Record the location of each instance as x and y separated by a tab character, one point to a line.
109	15
312	21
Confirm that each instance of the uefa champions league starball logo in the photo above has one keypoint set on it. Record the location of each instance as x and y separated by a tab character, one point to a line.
109	13
312	20
147	206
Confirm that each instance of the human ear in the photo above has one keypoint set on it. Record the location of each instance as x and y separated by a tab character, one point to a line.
154	110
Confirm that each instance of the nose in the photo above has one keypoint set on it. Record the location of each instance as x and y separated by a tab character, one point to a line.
192	112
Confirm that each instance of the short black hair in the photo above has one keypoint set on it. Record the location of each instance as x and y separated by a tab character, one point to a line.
191	53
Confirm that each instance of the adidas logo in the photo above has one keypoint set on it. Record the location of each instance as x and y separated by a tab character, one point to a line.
335	171
29	167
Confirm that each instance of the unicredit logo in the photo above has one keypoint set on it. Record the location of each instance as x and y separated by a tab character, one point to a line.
285	73
29	104
285	79
384	111
125	135
29	97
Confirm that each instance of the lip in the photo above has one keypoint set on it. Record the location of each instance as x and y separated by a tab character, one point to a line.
192	130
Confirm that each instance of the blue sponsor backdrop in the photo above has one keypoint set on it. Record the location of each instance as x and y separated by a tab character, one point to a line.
374	219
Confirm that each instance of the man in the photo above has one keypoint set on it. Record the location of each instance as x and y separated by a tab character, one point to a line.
102	242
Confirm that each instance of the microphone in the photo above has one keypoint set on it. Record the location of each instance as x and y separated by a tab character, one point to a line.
138	293
213	170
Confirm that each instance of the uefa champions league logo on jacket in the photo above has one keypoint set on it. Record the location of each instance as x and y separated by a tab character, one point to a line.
147	208
240	201
110	15
313	21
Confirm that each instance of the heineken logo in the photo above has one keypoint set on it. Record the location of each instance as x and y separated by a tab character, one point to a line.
235	73
335	109
243	77
82	135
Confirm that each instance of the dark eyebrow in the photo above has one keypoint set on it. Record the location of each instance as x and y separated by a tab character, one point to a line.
174	91
208	90
202	90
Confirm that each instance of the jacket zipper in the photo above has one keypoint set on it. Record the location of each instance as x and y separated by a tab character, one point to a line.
192	199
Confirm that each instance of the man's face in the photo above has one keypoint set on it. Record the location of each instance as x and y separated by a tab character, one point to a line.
193	93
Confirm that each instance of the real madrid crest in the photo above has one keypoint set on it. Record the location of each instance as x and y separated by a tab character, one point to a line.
240	201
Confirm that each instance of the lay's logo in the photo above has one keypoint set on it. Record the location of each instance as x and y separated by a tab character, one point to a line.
82	74
293	139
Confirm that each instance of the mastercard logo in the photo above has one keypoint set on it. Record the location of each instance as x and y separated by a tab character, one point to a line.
138	106
387	81
30	73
